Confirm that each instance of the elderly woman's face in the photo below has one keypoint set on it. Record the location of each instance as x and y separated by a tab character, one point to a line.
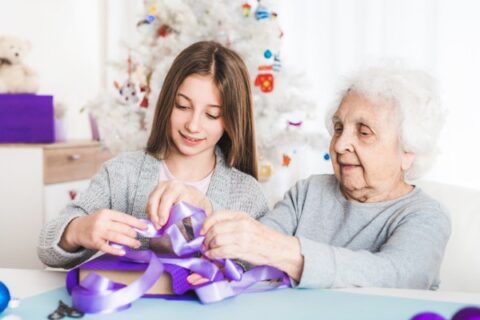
365	149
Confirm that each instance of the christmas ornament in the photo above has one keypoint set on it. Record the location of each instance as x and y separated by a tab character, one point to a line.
4	297
261	13
72	194
264	79
164	30
128	90
286	160
265	82
277	64
267	54
265	171
246	10
467	313
295	123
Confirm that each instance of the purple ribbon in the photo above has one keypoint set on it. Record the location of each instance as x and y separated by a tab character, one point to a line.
98	294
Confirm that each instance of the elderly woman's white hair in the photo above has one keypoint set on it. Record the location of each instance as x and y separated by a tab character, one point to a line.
414	96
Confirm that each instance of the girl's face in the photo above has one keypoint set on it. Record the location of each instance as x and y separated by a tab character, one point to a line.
196	122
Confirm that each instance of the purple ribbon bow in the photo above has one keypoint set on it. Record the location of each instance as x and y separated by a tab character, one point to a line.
98	294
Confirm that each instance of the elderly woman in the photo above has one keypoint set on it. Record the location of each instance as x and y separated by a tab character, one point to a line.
366	225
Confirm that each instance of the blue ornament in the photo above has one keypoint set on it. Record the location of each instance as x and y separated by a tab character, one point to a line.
262	13
267	54
326	156
4	297
150	19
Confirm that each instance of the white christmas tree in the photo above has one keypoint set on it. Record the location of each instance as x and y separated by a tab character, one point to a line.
252	30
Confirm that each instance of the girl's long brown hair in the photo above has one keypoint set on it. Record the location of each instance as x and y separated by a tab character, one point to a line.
231	77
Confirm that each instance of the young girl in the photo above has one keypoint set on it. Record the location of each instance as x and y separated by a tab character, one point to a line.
202	142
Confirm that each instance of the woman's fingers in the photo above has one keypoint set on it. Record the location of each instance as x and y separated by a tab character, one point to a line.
222	215
230	251
220	233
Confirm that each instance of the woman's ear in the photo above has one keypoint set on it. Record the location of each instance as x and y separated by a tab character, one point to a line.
407	160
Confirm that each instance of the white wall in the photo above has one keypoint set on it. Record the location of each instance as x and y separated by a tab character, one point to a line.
328	38
67	50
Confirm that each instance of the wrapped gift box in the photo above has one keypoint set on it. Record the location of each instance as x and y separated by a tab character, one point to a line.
125	272
26	118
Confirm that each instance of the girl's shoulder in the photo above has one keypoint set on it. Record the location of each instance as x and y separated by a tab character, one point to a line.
131	162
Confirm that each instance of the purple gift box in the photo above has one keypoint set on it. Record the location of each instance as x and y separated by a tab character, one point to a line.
26	118
116	265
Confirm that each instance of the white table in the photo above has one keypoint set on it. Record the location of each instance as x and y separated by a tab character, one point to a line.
24	283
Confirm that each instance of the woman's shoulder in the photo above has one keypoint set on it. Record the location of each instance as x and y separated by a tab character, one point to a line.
422	201
316	182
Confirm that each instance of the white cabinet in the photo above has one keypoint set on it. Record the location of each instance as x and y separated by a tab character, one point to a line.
36	182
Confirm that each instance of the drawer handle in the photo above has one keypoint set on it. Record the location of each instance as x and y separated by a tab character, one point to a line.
74	157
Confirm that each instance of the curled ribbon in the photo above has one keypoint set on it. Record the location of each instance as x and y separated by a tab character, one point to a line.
98	294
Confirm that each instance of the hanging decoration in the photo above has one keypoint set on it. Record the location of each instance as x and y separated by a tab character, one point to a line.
246	10
265	171
286	159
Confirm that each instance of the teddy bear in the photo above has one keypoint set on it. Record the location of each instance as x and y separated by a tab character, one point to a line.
15	76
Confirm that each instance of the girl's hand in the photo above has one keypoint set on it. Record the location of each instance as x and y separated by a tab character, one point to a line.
96	230
235	235
167	194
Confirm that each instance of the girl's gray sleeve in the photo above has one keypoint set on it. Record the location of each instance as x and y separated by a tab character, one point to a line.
245	195
96	196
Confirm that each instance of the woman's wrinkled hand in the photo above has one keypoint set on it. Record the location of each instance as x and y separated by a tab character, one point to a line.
169	193
97	230
235	235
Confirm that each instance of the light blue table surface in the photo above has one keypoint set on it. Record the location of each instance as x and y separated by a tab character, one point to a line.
274	305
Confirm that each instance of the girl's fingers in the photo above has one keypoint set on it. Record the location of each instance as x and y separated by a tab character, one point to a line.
123	229
196	279
169	198
153	202
127	220
106	248
119	238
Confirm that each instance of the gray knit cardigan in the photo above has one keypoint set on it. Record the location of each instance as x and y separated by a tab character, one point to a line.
124	184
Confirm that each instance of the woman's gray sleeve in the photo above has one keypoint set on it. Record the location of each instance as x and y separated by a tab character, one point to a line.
411	258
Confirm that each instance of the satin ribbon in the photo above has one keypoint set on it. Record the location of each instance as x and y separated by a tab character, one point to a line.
98	294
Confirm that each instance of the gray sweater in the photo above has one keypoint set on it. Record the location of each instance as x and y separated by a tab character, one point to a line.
397	243
124	184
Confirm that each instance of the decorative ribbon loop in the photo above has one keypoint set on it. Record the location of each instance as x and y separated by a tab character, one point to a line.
97	294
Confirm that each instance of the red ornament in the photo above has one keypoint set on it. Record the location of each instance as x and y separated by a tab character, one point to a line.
163	31
265	82
286	160
72	194
144	103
